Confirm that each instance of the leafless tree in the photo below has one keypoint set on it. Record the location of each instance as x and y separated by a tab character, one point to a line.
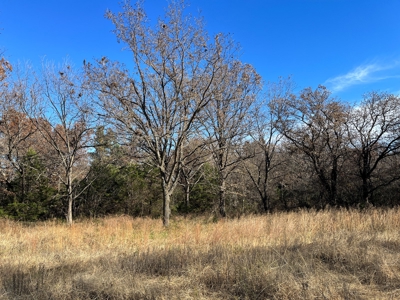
176	69
374	134
196	155
15	127
265	140
227	119
314	124
63	115
18	135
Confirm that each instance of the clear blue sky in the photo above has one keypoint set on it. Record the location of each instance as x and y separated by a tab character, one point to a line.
351	46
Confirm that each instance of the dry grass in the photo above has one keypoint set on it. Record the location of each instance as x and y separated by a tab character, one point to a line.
303	255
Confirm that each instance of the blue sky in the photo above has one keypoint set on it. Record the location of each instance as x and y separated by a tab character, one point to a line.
351	46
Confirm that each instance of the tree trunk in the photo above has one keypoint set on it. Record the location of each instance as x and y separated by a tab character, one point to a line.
264	193
187	196
365	192
333	190
222	196
265	201
166	204
365	176
69	216
282	197
70	199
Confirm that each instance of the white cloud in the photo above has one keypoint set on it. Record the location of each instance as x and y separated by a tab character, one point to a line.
367	73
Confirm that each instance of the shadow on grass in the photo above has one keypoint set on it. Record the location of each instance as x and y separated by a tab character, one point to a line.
348	268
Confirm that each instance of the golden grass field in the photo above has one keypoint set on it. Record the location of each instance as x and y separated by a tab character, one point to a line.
334	254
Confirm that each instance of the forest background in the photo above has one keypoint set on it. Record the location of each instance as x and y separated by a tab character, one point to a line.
187	128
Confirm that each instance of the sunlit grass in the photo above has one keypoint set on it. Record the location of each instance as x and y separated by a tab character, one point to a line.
335	254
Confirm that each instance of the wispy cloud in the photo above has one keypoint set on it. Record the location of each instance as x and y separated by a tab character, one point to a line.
363	74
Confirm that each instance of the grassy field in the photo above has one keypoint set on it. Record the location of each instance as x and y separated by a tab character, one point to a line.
303	255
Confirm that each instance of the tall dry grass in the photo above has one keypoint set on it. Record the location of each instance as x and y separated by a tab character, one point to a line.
334	254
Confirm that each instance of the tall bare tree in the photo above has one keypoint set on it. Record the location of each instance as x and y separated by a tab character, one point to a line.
17	130
227	119
265	140
63	115
17	137
176	69
314	123
374	134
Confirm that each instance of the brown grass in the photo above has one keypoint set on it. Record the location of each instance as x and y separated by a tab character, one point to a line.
304	255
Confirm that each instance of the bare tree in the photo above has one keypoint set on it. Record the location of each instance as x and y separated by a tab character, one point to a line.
176	68
314	124
18	134
374	134
266	138
196	155
227	119
17	137
63	115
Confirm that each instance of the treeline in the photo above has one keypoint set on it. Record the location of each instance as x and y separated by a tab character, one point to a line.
188	128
